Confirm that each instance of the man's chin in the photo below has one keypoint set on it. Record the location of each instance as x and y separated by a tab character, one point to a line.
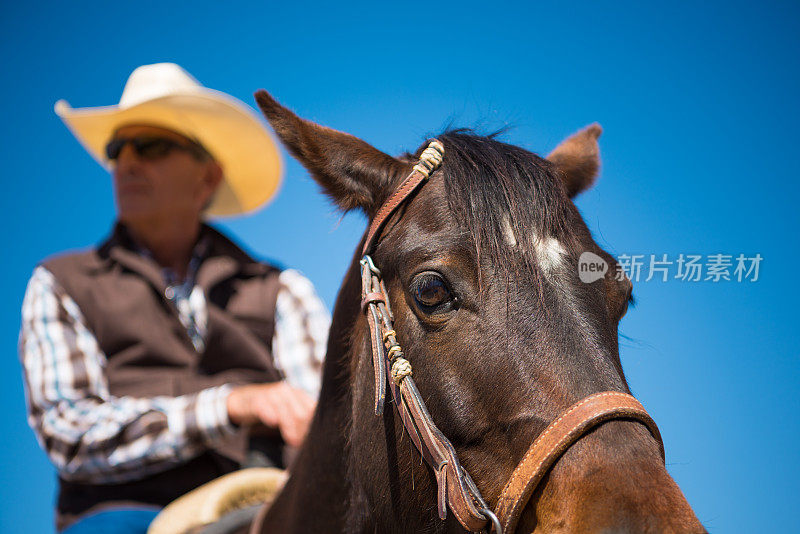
132	214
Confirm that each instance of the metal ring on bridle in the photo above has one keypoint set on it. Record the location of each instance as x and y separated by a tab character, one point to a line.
367	260
495	527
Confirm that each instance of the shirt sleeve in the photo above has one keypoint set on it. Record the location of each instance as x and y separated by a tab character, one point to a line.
90	435
301	332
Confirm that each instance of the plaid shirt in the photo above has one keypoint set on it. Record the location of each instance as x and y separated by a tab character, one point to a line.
94	437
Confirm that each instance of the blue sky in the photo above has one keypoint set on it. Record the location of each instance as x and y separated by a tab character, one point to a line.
700	112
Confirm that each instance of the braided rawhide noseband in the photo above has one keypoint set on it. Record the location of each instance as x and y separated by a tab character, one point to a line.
456	488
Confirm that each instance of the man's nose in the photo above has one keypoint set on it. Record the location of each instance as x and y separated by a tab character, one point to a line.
128	159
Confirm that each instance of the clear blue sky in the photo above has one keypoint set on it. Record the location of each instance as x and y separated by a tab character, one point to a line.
699	106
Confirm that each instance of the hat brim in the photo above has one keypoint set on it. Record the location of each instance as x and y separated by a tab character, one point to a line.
230	131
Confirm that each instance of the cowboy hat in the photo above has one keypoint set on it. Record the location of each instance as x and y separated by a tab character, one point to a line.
167	96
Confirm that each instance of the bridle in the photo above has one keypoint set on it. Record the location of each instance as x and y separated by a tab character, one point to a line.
456	488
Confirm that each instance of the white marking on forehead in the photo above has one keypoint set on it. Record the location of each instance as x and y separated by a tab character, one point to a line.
508	232
550	253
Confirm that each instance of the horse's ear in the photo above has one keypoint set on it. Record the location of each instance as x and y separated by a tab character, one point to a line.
353	173
578	159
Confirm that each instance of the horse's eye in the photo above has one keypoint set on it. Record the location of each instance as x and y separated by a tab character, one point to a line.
431	292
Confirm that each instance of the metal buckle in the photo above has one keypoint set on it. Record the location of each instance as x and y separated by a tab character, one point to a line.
366	261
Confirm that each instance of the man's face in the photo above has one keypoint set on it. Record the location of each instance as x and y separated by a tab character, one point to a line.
154	190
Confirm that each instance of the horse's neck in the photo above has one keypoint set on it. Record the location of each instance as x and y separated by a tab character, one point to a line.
315	498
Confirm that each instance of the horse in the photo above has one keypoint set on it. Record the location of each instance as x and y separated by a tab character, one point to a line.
503	340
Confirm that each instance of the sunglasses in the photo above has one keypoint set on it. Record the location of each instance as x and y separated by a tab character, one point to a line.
152	147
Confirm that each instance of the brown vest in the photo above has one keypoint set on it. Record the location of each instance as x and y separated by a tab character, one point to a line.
122	297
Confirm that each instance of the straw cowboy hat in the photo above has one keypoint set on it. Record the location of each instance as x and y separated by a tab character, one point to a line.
167	96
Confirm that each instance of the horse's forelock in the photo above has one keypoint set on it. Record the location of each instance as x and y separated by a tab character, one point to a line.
509	200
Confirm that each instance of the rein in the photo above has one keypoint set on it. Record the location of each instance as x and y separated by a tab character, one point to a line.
456	488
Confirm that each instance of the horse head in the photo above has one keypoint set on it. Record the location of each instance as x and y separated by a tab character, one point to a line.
481	266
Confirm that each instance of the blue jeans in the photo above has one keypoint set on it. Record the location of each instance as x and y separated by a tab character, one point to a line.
127	520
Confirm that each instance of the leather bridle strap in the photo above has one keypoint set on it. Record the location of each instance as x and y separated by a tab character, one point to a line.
568	428
456	489
430	160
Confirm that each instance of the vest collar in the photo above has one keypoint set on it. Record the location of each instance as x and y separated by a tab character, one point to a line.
222	259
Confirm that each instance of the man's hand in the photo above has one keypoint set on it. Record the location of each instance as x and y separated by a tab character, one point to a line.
276	405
